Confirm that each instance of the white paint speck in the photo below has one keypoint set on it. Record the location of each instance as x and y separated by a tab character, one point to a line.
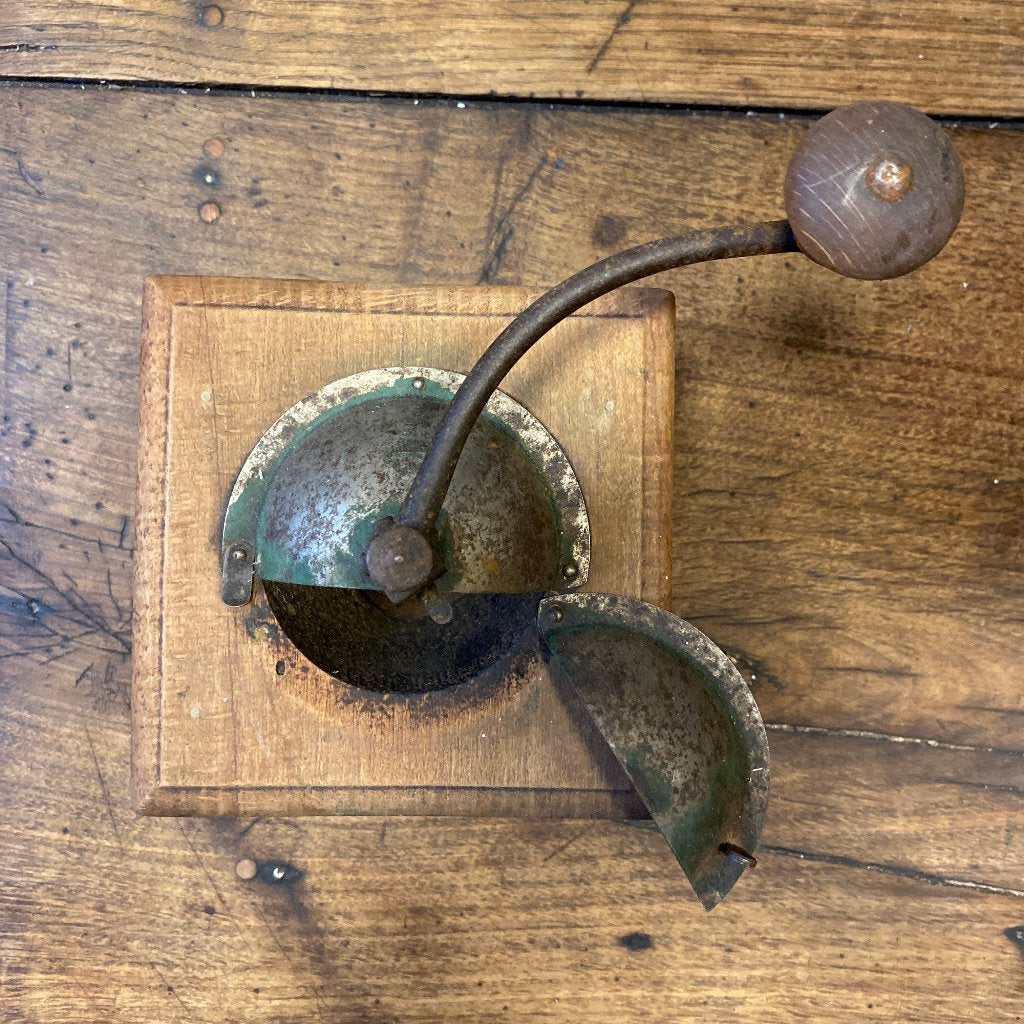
964	285
996	480
461	105
195	712
206	395
609	406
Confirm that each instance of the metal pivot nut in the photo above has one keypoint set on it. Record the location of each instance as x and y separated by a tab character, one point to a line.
400	560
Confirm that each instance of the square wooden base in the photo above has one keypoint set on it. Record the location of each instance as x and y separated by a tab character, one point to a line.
228	717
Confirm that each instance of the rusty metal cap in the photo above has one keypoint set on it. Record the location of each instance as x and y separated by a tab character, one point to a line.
315	490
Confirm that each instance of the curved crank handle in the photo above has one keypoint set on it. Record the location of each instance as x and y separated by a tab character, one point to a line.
874	191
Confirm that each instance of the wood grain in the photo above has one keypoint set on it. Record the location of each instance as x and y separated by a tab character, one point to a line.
943	56
837	529
223	358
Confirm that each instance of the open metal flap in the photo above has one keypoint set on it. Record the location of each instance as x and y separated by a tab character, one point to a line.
680	720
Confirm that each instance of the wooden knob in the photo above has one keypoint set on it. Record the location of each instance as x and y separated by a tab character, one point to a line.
874	191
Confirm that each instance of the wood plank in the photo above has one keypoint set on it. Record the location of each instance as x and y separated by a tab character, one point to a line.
911	835
943	56
113	916
223	358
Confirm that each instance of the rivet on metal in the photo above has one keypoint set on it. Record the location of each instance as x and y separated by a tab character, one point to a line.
438	607
418	383
237	575
556	613
570	571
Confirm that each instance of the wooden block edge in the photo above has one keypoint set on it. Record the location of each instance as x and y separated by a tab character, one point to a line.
147	614
161	295
659	427
351	801
330	296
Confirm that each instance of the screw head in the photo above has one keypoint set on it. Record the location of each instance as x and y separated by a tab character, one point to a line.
890	178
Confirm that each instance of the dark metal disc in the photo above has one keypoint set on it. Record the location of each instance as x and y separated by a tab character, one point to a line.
360	638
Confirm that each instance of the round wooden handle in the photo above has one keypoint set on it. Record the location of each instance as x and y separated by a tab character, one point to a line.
874	191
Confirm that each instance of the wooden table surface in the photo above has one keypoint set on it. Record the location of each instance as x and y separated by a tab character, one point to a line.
849	478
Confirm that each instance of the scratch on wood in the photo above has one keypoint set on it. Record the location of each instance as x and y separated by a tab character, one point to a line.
252	824
8	339
113	598
913	874
202	865
88	620
503	229
865	734
19	520
171	992
990	787
754	670
872	670
32	181
621	21
273	935
27	47
991	710
105	792
564	846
